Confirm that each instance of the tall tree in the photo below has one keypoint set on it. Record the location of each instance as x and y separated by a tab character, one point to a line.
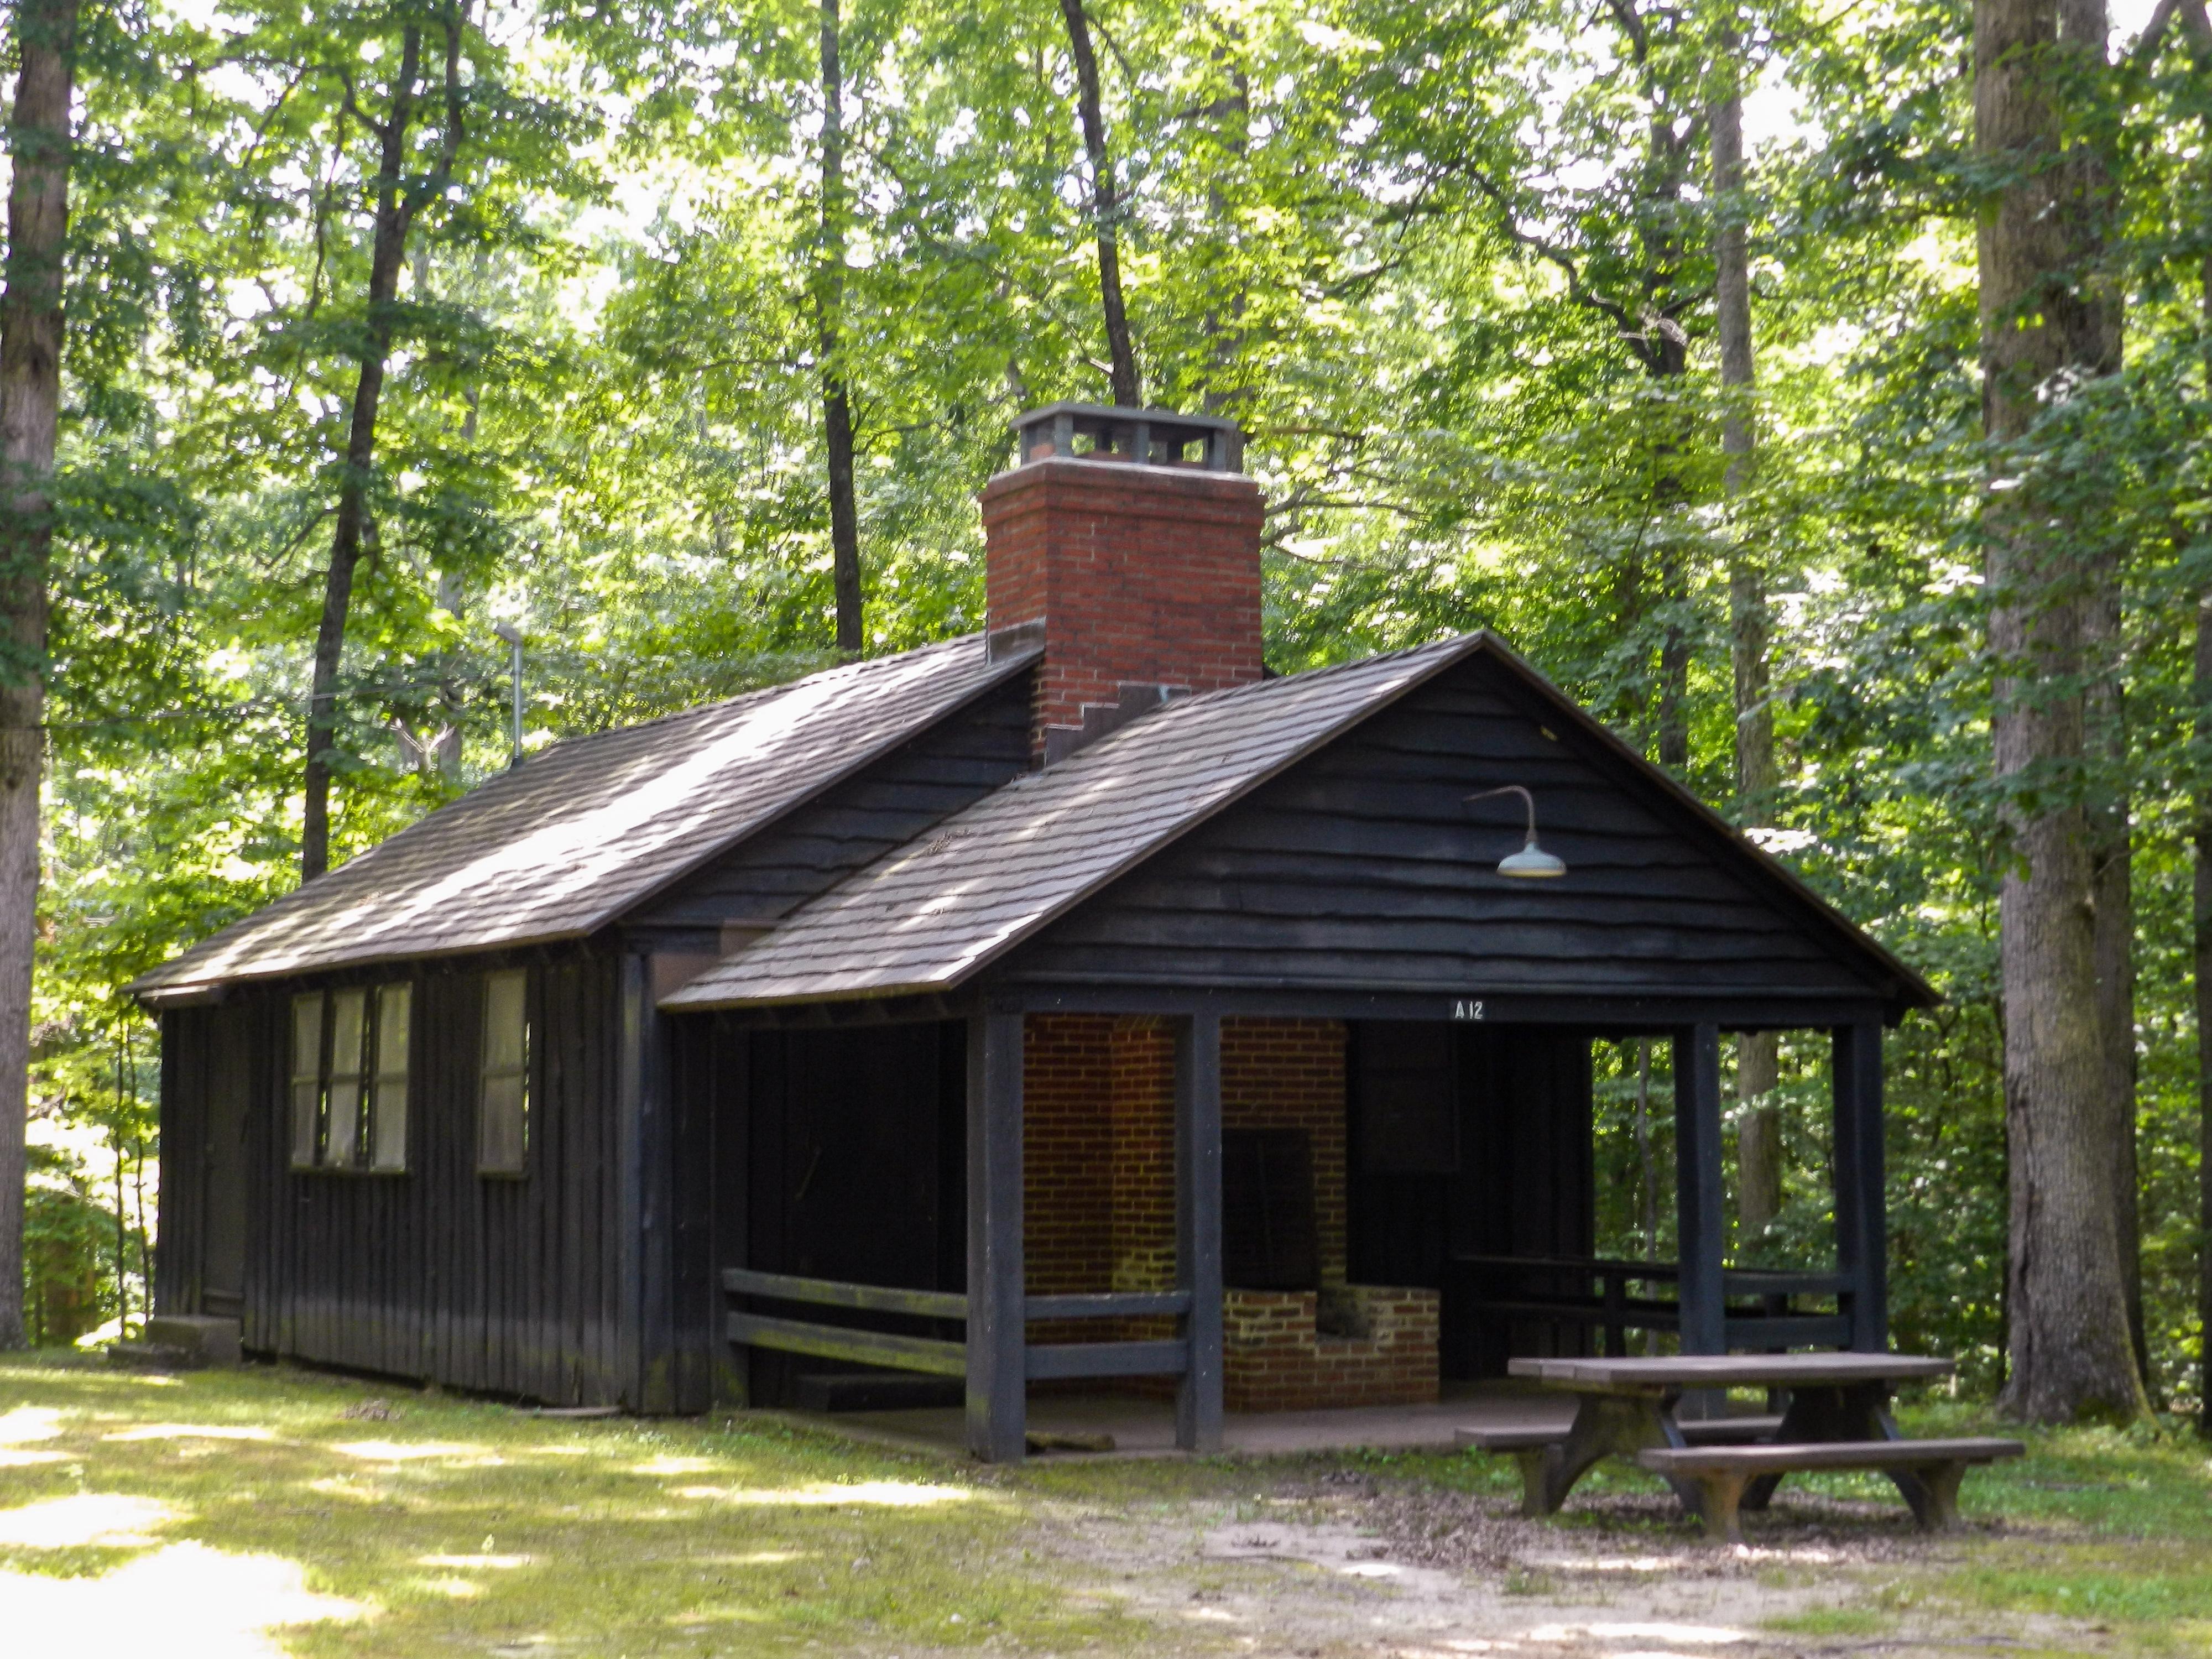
1758	1132
399	194
1105	207
2071	1351
2194	28
2094	327
830	323
38	147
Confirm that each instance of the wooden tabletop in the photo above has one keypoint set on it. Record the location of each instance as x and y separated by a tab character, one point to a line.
1732	1370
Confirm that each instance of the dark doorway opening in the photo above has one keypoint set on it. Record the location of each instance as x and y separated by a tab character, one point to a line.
855	1170
1469	1141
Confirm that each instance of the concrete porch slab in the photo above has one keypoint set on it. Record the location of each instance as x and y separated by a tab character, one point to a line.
1145	1428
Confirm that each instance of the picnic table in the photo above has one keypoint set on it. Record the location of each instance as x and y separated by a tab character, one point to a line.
1628	1407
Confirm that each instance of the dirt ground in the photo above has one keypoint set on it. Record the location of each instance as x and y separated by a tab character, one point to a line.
1353	1567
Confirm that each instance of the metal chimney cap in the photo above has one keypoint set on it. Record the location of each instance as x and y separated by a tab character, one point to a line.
1156	437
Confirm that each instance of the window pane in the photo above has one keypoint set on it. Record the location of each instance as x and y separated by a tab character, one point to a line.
388	1115
306	1037
393	1007
390	1122
307	1077
349	1011
345	1120
500	1145
504	1019
503	1105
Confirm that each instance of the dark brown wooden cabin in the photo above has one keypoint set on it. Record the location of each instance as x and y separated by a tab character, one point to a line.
1067	1002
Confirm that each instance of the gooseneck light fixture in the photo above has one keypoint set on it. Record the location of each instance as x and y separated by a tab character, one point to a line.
1531	862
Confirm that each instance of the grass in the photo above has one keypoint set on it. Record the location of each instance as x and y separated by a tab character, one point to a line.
463	1522
462	1525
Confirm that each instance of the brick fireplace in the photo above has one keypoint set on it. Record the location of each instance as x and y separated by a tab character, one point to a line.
1099	1173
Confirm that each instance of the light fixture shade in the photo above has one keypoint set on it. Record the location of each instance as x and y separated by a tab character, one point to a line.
1531	863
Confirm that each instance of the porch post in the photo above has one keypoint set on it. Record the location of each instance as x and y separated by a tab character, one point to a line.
996	1383
1861	1206
1198	1227
1698	1195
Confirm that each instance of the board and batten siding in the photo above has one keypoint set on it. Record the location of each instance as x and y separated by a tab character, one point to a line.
507	1284
180	1217
1362	865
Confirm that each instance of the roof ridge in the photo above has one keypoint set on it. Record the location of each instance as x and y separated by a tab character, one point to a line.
758	692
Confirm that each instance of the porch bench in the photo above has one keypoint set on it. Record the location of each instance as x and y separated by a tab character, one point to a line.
1930	1471
1527	1446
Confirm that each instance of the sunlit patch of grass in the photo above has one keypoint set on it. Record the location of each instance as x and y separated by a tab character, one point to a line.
466	1523
448	1524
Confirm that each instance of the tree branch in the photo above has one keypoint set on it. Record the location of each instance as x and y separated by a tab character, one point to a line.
1578	291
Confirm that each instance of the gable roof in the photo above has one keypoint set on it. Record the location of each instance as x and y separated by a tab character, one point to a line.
930	915
581	831
925	917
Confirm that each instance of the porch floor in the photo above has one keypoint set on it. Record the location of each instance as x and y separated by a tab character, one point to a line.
1145	1428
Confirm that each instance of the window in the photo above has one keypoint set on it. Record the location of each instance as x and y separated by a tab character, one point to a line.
503	1102
349	1078
344	1095
307	1080
388	1107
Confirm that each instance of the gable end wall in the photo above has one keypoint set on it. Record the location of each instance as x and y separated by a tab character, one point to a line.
1362	868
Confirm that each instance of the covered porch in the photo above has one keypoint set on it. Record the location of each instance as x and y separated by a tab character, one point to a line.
1112	1243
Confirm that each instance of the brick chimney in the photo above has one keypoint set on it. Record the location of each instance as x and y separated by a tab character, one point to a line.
1129	540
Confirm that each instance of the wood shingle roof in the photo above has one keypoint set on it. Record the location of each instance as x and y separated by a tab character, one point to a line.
582	832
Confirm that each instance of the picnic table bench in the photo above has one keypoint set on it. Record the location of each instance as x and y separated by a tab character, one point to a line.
1838	1417
1724	1473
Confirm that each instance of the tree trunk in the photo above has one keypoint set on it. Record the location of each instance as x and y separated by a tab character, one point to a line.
2070	1352
2111	850
2094	325
1665	354
2203	878
1759	1130
2196	28
38	144
829	319
1105	208
388	257
2201	965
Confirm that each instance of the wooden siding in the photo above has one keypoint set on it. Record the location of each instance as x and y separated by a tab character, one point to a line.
507	1285
950	765
1361	867
178	1216
589	1281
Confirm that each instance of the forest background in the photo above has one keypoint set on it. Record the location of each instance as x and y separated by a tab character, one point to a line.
666	277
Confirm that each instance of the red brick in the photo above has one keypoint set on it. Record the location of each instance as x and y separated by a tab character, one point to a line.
1139	574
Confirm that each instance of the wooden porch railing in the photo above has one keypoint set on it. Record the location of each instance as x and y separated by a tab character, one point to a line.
939	1355
1593	1291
